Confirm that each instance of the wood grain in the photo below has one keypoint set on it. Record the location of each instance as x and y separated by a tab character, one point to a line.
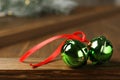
57	70
61	74
26	28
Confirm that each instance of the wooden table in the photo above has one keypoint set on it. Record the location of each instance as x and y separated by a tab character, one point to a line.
11	68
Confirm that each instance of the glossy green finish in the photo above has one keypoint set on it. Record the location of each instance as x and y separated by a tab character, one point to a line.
100	50
74	53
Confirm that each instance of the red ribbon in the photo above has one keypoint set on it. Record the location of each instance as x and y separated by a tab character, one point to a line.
76	35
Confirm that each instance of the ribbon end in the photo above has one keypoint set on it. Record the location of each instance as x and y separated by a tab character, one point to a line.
21	60
33	66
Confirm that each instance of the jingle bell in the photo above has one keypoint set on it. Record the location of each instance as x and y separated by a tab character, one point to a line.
100	50
74	53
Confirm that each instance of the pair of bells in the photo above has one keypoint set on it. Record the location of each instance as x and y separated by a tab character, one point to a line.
76	53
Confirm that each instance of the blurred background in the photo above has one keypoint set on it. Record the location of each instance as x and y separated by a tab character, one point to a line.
28	22
21	8
98	2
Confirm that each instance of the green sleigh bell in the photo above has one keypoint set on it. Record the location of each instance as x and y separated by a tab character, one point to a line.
74	53
100	50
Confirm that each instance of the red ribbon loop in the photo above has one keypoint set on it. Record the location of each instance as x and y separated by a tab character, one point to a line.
76	35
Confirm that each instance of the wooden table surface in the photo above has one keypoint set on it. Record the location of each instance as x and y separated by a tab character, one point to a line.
11	68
